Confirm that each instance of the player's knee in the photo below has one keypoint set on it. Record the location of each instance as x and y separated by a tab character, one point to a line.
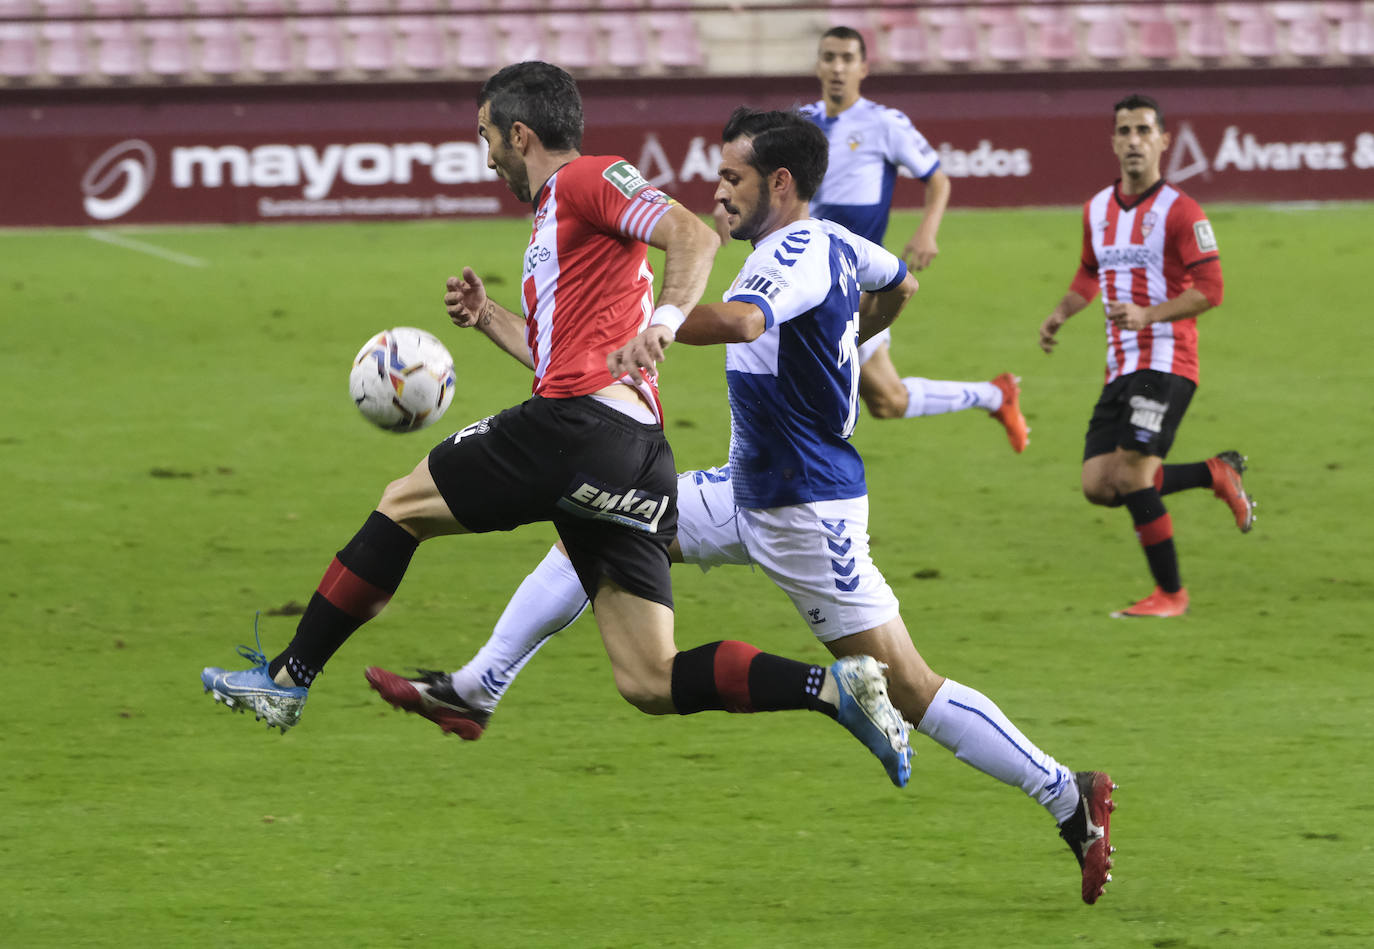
912	690
644	693
887	403
1101	493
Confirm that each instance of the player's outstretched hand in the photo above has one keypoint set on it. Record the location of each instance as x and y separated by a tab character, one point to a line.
641	354
1049	328
465	299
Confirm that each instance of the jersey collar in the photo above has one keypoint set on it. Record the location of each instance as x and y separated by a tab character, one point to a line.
1135	199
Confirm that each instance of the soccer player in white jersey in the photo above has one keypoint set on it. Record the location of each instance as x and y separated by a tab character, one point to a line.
868	144
1150	250
585	452
793	500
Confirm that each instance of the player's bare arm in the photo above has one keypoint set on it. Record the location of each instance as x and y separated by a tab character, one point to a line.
1065	308
921	250
689	248
469	306
706	325
1132	316
878	311
731	322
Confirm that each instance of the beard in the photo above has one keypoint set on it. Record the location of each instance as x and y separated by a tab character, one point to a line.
750	228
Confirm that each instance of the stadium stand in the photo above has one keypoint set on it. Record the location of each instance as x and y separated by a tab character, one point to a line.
110	42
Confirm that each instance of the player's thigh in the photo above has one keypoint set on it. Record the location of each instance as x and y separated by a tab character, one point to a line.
638	636
1109	476
818	554
414	502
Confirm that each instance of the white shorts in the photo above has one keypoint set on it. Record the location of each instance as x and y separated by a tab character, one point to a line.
867	349
816	553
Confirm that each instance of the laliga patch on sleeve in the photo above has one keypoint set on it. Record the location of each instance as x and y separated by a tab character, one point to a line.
625	177
1206	239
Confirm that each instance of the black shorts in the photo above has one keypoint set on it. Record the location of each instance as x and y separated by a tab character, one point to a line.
1140	411
607	482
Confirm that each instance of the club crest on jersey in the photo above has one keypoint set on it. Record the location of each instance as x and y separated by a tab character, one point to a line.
1148	222
625	177
854	141
630	507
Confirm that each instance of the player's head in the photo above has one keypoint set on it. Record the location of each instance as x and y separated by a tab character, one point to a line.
841	65
769	162
527	98
1139	139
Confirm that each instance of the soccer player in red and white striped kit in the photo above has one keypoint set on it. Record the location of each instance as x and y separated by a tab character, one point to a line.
1150	250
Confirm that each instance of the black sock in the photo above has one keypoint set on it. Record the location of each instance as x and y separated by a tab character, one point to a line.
1155	530
735	677
358	583
1173	478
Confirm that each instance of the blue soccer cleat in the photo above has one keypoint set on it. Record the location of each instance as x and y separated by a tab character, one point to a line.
253	688
870	716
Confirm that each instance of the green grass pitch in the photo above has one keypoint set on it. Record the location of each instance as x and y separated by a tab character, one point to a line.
179	451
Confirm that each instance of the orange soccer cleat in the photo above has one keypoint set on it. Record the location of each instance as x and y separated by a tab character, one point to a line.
1226	468
1018	432
1157	603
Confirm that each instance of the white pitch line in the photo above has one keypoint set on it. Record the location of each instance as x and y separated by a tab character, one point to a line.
128	243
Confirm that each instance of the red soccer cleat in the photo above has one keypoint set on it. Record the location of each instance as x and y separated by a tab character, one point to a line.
1226	469
432	696
1018	432
1088	831
1157	603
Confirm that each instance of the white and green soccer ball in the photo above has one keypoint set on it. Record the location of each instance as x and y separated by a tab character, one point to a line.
402	379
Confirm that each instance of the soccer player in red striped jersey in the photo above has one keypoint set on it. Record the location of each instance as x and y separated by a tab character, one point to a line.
1150	250
585	452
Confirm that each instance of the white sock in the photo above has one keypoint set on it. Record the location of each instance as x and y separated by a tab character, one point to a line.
969	724
933	397
546	601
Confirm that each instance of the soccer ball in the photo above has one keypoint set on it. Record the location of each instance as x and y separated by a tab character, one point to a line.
402	379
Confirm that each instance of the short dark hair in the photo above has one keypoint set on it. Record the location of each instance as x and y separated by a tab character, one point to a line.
848	33
540	95
782	140
1136	101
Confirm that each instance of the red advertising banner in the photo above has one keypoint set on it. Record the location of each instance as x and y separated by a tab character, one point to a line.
253	155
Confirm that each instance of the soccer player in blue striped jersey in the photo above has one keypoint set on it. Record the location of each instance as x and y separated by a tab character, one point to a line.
868	144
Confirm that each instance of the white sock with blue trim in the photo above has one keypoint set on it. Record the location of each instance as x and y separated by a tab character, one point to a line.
971	725
546	601
935	397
